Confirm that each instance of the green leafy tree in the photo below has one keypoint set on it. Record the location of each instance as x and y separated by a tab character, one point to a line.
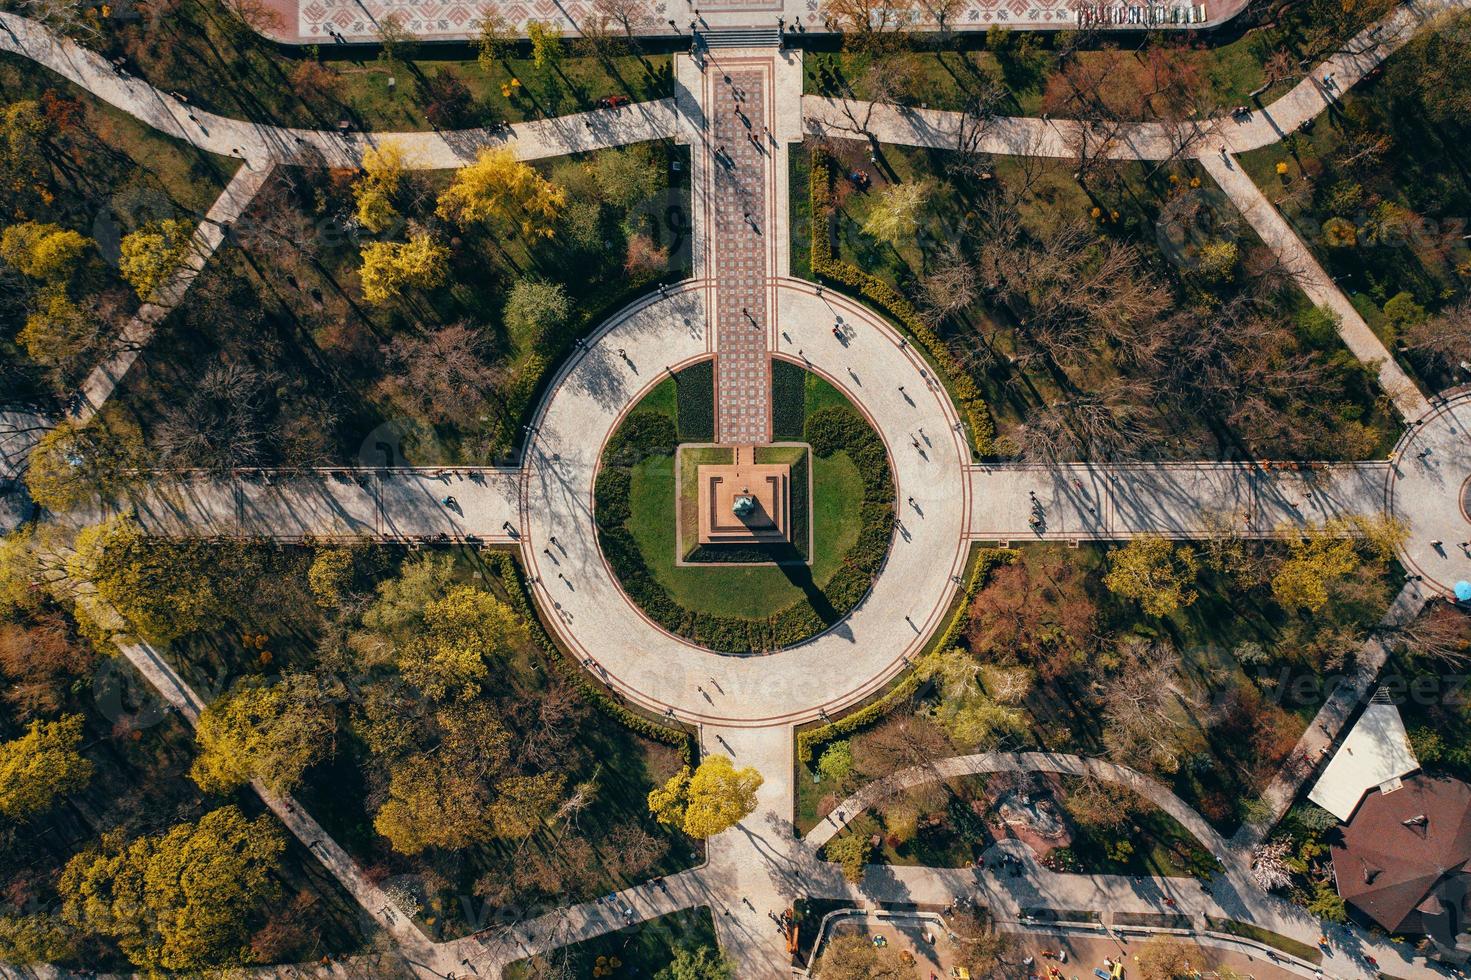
270	733
183	900
535	309
152	253
703	963
850	852
625	177
1155	572
42	766
836	761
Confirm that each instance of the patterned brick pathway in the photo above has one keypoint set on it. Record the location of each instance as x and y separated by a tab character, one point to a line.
742	147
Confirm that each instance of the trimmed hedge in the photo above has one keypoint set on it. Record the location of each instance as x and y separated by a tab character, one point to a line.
812	739
695	400
841	429
510	574
887	298
788	400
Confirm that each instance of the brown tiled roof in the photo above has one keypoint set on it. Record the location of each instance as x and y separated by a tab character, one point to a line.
1387	868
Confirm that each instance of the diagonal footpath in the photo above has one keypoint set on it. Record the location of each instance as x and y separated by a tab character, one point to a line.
1300	263
211	232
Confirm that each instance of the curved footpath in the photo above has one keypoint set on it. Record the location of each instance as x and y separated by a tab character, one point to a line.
1050	762
264	144
1012	135
593	616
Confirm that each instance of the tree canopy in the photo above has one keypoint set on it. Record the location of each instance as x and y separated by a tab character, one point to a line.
503	194
714	798
41	766
271	733
182	900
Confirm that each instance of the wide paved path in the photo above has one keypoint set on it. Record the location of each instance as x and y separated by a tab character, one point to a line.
474	504
1082	501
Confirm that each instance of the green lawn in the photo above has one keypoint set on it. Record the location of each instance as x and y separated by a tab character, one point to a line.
747	591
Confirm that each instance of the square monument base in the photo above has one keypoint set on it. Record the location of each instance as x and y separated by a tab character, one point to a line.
744	502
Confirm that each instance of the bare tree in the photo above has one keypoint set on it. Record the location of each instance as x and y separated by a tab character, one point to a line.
1443	342
1441	633
441	374
1146	704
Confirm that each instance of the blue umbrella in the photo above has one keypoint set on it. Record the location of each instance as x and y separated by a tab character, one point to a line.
1463	591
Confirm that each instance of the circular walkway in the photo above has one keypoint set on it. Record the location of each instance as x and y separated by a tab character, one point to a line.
1428	487
858	655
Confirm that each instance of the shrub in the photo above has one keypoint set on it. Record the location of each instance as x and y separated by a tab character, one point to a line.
695	402
788	400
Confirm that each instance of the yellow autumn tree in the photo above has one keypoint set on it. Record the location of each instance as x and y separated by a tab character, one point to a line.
716	797
461	631
383	172
42	251
271	733
150	254
1317	558
504	194
391	267
41	766
1157	573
